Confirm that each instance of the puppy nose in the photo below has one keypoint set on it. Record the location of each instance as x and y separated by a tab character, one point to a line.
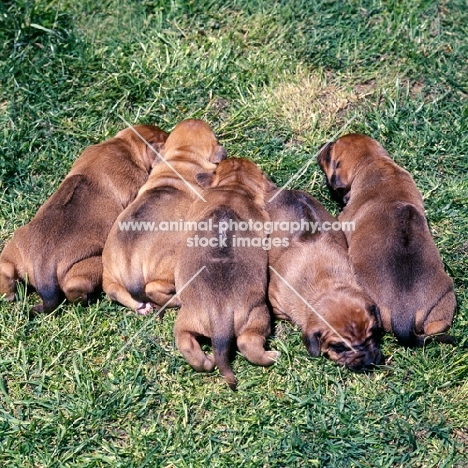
373	358
367	361
378	357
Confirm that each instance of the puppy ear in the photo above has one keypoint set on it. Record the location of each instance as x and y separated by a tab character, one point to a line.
324	156
220	153
204	179
154	150
375	311
312	342
268	185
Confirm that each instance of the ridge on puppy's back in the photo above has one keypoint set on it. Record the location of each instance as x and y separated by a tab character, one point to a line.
223	249
406	264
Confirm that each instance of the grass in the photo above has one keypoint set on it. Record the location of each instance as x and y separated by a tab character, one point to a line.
275	79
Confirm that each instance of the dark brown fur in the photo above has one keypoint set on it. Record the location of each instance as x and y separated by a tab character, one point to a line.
316	266
139	265
59	251
392	251
226	301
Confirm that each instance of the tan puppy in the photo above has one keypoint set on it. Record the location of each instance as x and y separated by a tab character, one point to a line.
391	249
59	251
337	317
139	264
226	301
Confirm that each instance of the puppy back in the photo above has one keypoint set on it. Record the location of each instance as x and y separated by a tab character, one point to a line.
297	206
412	262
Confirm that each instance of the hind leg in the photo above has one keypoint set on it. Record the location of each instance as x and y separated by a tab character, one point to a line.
9	270
119	294
82	279
162	292
8	278
251	341
439	319
186	331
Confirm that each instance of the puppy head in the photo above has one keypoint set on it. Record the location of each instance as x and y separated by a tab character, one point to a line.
353	338
341	160
239	173
194	139
146	141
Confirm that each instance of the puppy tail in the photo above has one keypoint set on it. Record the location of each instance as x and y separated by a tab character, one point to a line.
222	340
412	340
47	286
221	348
404	330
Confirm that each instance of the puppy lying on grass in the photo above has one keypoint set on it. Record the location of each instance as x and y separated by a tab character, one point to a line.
138	264
391	249
336	317
59	251
226	301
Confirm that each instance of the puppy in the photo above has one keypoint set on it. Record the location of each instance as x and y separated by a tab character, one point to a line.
139	264
336	317
226	301
391	249
59	251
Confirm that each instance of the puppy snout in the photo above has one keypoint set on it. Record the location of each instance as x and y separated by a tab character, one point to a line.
365	360
378	358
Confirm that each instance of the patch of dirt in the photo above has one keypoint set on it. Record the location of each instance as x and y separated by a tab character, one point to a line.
305	101
220	104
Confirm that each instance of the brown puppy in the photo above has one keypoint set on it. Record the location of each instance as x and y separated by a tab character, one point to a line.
59	251
139	264
337	317
391	249
226	301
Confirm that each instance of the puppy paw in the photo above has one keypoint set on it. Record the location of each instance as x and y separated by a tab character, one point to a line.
37	309
273	355
8	297
445	338
145	308
209	363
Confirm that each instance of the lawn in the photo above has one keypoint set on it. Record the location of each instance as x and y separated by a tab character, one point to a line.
275	79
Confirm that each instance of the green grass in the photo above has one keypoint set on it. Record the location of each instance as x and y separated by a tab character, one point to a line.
275	79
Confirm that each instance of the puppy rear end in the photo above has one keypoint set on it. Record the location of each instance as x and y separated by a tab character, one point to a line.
408	263
59	251
216	291
227	300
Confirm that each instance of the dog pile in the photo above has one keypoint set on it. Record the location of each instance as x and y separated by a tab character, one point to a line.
341	287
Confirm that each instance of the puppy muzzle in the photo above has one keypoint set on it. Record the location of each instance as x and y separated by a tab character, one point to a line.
361	361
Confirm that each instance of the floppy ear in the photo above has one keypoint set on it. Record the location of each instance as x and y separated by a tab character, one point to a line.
150	151
375	311
312	342
324	156
268	185
220	153
204	179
